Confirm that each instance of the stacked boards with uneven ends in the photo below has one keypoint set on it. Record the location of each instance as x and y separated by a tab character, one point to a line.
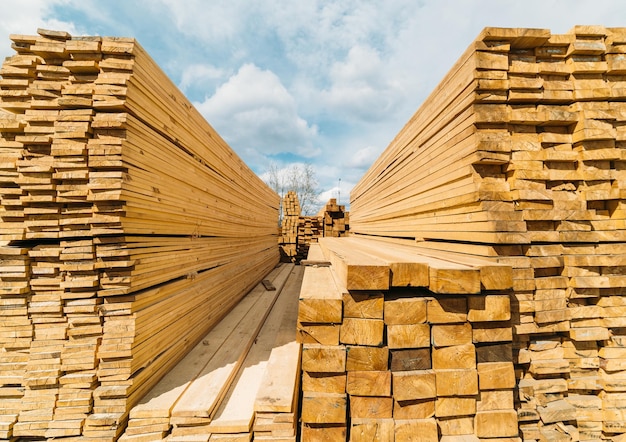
517	157
388	358
298	231
129	229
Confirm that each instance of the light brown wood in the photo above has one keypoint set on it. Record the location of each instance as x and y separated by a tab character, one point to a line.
445	335
324	408
414	385
368	383
372	429
496	375
408	336
455	356
358	331
82	174
367	305
362	358
416	429
400	310
320	298
323	358
496	423
371	407
355	270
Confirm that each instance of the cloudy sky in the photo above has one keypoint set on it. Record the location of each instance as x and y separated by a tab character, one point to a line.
328	83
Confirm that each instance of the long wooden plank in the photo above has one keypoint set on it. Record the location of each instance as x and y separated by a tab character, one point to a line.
356	271
237	411
204	395
276	392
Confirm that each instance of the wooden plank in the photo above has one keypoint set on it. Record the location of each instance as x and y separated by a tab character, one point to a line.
324	408
236	412
355	271
320	298
414	385
202	397
279	385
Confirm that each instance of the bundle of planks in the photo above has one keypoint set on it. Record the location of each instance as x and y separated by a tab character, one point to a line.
336	219
390	358
240	381
517	156
289	225
298	231
128	230
309	231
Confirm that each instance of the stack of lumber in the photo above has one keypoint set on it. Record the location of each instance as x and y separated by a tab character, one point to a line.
517	157
520	142
128	230
310	229
240	380
297	231
289	225
336	219
388	358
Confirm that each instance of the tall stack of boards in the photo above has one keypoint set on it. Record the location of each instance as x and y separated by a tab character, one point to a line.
129	229
518	158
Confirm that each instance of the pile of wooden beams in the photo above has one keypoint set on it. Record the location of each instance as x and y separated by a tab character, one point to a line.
128	231
289	225
297	231
240	381
521	142
517	157
388	358
336	219
309	231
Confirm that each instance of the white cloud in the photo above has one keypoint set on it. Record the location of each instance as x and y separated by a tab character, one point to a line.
362	88
363	158
195	75
254	110
215	21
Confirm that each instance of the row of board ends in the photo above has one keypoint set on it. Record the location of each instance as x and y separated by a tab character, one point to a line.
528	38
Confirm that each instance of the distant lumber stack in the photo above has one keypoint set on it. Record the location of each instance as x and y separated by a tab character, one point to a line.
298	231
128	230
518	156
336	219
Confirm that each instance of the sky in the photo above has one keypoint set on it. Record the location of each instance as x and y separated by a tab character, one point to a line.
326	83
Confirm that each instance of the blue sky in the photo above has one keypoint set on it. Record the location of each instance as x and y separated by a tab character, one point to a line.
329	83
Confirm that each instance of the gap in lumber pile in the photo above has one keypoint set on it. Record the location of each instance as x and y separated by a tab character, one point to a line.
129	229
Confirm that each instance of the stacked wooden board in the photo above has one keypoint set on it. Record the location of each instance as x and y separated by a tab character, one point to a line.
336	219
289	225
385	358
128	230
240	381
297	231
310	229
517	156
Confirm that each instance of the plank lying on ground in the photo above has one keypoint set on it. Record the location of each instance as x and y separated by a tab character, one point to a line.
197	406
237	411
